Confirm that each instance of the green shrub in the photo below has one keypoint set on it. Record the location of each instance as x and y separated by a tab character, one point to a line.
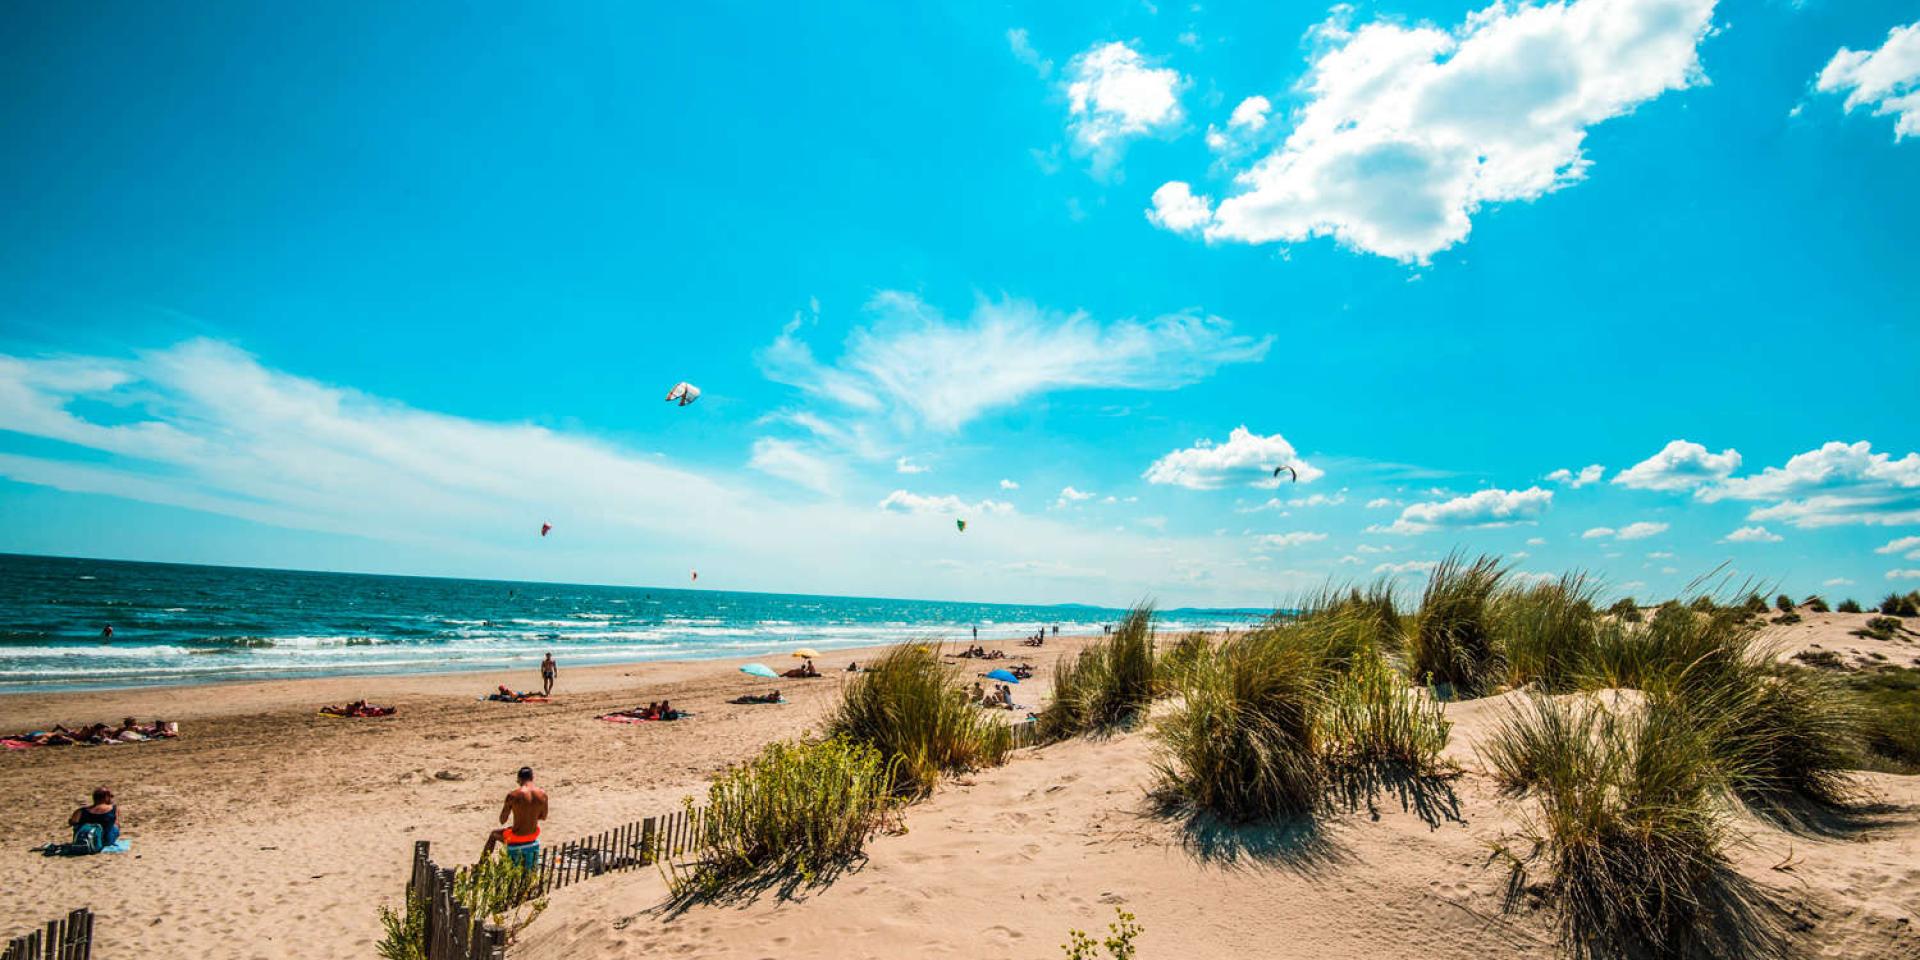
1784	602
1849	605
1889	701
1108	684
1243	744
1625	821
1370	716
1118	942
1754	604
796	810
1452	641
909	707
1880	628
1346	624
1816	603
1177	658
1626	608
1896	605
1546	632
1786	619
403	934
1705	604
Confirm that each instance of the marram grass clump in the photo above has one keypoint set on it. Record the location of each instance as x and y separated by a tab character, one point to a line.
1371	716
1546	632
910	708
1453	640
1108	684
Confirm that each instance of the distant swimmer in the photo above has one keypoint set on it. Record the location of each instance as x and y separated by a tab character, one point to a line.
106	633
521	814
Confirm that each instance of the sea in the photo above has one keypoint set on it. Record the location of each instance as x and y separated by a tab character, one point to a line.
181	623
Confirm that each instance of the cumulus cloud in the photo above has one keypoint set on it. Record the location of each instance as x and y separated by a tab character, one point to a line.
1251	113
1069	495
1246	457
916	367
1887	78
1633	531
1752	535
1492	507
1115	94
902	501
1381	503
1903	574
1292	539
1409	130
1680	465
1176	208
1909	546
1009	485
906	465
1835	485
1587	474
1599	533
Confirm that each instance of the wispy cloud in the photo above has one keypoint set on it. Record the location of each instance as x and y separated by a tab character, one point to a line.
1293	539
1023	51
1910	546
1752	535
904	501
1639	530
918	368
906	465
1408	131
790	461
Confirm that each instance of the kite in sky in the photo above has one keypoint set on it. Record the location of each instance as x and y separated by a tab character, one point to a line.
684	392
545	528
962	524
1296	473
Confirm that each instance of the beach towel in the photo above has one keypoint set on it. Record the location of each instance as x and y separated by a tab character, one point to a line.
622	718
12	744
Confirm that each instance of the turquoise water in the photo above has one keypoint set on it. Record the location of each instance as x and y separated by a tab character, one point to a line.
175	623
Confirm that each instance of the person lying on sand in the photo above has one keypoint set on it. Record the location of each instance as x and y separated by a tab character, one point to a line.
358	708
97	825
663	710
773	697
520	815
509	696
803	672
1024	671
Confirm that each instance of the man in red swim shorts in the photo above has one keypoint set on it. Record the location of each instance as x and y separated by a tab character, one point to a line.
526	806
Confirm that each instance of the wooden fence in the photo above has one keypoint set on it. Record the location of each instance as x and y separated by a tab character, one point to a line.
68	939
452	931
638	844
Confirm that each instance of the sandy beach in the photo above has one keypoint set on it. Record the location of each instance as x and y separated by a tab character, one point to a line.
269	831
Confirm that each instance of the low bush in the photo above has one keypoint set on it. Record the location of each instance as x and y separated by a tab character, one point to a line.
1452	641
1880	628
1371	716
797	810
1787	619
1108	684
1896	605
1244	745
1849	605
909	707
1816	604
1784	603
1889	701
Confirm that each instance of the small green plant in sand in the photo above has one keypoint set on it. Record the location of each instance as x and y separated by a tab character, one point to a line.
1880	628
1816	604
910	708
1109	683
403	932
1849	605
1118	941
495	890
796	811
1371	716
1890	705
1453	641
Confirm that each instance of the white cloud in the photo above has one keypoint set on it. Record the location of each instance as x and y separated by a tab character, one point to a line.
1023	51
1660	555
1752	535
1350	558
1519	555
1177	208
1009	485
1910	546
1888	78
906	465
1588	474
1641	530
1370	548
918	368
1410	566
1113	94
902	501
1837	484
1246	457
1837	582
1536	541
1492	507
1069	495
1680	465
1313	500
1381	503
790	461
1292	539
1598	533
1903	574
1251	113
1409	130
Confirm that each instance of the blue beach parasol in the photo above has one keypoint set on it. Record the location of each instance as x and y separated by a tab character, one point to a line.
758	670
1003	676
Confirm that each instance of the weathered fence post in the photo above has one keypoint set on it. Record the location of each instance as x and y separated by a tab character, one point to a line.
649	840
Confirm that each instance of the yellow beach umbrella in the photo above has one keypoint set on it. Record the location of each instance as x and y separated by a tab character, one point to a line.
806	652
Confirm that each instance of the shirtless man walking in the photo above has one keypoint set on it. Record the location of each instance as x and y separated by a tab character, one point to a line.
526	806
547	669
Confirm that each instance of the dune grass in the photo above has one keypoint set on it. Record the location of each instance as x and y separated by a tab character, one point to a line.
1546	632
1626	821
1369	715
1176	659
910	708
1453	641
797	811
1244	744
1108	684
1890	702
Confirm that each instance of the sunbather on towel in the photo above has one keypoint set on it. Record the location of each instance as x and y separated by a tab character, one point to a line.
803	672
509	696
773	697
358	708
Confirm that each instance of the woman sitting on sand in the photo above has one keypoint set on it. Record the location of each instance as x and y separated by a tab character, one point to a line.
96	826
803	672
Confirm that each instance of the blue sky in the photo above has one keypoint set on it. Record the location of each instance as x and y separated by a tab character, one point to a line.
384	288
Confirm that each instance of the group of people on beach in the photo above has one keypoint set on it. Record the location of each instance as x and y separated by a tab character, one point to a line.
129	731
999	698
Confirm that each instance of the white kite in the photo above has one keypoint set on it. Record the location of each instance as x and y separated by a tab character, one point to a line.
684	392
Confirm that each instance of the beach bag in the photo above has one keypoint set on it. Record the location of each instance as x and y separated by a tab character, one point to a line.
88	839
